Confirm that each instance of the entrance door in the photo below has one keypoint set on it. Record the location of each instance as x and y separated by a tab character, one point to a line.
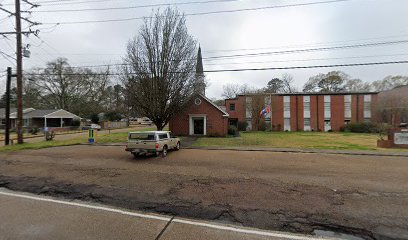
198	124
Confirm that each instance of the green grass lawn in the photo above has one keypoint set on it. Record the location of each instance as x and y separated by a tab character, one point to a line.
99	138
318	140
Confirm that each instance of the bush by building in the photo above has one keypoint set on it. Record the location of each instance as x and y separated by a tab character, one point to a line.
363	127
232	130
242	125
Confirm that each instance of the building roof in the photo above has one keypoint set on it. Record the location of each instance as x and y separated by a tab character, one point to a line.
13	111
38	113
225	114
305	94
51	113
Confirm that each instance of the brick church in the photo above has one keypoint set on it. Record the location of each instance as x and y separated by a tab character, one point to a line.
201	117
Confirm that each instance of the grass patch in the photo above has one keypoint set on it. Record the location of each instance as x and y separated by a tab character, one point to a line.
318	140
99	138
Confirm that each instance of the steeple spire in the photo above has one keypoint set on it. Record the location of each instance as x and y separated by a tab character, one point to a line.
199	86
199	66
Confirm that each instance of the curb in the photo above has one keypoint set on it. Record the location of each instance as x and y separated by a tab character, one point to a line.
281	150
295	150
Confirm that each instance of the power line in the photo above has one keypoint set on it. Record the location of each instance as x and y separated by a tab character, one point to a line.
134	7
309	59
7	55
307	44
309	49
247	69
202	13
276	52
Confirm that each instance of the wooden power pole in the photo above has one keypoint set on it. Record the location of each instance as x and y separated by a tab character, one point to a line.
7	127
19	75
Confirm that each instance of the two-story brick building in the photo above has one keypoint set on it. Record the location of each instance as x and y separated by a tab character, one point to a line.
305	111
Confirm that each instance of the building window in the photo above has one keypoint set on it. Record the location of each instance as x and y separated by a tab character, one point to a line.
286	124
367	106
327	106
306	106
197	101
3	121
286	106
307	122
367	120
232	107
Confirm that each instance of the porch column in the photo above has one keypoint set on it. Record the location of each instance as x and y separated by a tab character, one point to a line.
61	122
45	122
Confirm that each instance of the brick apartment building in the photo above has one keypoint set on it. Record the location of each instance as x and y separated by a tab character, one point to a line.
305	111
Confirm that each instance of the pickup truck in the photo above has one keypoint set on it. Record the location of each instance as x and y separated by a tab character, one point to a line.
155	142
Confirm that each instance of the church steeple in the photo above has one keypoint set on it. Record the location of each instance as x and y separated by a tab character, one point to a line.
199	66
199	86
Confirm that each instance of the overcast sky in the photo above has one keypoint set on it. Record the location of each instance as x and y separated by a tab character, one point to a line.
273	29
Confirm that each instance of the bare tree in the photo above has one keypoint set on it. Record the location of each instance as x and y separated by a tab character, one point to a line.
287	81
389	83
78	90
232	90
281	85
357	85
161	61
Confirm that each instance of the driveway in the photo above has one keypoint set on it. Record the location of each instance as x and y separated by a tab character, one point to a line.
298	192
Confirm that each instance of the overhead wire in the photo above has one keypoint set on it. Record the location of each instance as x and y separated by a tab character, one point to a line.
253	69
201	13
132	7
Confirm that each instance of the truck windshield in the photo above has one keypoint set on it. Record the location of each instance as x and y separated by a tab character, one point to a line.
141	136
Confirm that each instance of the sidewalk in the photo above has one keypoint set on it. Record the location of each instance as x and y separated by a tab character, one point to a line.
28	216
288	150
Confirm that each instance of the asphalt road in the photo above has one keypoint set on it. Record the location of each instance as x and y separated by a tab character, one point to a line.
363	195
26	216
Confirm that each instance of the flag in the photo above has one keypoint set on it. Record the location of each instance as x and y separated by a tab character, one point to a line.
265	111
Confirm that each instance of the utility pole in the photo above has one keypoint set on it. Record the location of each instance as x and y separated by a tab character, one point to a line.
19	75
7	130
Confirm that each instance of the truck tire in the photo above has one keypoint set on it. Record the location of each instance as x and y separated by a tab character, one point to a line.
135	155
177	146
164	152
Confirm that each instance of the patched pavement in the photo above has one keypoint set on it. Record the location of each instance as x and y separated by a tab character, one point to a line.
296	192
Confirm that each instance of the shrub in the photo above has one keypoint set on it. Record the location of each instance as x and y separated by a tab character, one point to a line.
363	127
95	118
113	116
242	125
262	126
75	123
34	130
232	130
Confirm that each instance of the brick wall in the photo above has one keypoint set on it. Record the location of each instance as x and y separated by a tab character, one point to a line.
240	108
217	125
337	112
300	113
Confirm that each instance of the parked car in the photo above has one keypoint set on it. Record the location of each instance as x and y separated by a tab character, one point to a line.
151	142
144	121
92	126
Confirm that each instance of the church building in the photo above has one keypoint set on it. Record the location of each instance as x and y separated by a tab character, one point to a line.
201	117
